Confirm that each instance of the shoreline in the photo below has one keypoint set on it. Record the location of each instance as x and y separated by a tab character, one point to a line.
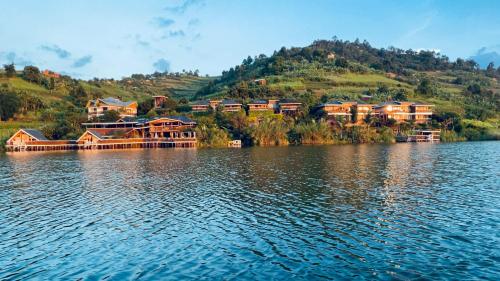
5	152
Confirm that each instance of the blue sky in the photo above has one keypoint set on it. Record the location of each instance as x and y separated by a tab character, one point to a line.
117	38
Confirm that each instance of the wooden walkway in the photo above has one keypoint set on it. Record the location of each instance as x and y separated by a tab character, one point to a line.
103	144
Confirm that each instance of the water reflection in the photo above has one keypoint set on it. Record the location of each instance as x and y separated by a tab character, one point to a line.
311	212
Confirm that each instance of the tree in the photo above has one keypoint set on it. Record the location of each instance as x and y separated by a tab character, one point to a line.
354	112
32	74
52	83
341	62
490	69
169	105
145	106
78	96
449	120
400	95
110	116
67	124
247	61
10	70
426	88
9	105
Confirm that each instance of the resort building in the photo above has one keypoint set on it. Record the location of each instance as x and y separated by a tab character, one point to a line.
214	103
339	109
34	140
288	106
399	111
231	106
260	105
421	113
363	110
200	106
159	101
274	105
172	131
97	107
404	111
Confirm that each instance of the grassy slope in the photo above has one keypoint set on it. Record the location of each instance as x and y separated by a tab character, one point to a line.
353	85
348	85
176	87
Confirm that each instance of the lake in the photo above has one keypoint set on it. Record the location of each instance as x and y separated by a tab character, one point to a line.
401	211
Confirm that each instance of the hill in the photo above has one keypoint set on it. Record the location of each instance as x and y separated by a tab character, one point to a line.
348	70
465	96
40	99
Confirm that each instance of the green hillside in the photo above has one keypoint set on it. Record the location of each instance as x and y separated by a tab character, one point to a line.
466	98
349	70
41	101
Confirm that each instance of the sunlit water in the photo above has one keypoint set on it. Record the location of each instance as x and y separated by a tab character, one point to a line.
401	211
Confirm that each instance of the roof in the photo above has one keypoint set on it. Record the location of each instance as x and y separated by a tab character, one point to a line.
421	104
259	102
332	103
96	133
289	101
183	119
337	102
387	103
230	102
107	133
112	101
200	102
127	120
35	134
93	132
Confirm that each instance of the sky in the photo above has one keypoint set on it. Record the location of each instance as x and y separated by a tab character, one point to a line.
113	39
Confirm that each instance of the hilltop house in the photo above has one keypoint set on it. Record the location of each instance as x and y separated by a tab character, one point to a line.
97	107
50	74
261	82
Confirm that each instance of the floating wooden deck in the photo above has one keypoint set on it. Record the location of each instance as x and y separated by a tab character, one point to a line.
49	145
422	136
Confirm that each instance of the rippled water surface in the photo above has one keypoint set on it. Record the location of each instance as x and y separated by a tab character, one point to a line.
401	211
